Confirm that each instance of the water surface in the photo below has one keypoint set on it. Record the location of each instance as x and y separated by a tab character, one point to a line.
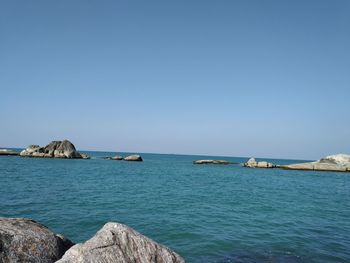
206	213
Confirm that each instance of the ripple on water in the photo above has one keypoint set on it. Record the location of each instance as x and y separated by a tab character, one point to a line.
205	213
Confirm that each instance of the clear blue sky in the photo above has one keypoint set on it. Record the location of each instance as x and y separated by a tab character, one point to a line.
238	78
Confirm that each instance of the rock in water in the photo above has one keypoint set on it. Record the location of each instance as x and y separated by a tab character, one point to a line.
117	243
332	163
135	158
115	158
211	162
55	149
252	163
24	240
8	152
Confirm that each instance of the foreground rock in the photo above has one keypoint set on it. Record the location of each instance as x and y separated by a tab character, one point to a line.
117	243
8	152
333	163
252	163
55	149
24	240
211	162
134	158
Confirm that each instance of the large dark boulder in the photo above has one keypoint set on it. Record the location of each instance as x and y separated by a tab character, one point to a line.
117	243
55	149
24	240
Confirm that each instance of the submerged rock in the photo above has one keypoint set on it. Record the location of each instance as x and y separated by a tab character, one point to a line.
8	152
55	149
118	243
134	157
211	162
252	163
333	163
24	240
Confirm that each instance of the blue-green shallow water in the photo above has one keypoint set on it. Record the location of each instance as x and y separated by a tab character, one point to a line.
207	213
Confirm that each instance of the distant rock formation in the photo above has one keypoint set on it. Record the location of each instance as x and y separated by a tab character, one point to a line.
333	163
116	158
55	149
8	152
24	240
252	163
134	158
117	243
211	162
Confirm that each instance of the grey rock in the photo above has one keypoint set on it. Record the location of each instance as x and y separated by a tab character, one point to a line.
8	152
252	163
55	149
332	163
211	162
118	243
84	156
115	158
134	157
24	240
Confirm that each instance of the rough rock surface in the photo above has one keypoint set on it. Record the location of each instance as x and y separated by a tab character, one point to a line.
334	163
24	240
55	149
252	163
134	157
211	162
117	243
8	152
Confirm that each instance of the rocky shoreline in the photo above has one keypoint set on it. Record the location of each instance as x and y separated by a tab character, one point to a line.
24	240
66	150
331	163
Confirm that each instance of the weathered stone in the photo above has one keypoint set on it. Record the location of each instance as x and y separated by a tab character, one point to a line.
38	154
24	240
332	163
55	149
252	163
84	156
135	158
8	152
211	162
117	243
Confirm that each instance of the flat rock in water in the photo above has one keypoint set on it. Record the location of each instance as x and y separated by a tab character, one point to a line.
115	158
332	163
24	240
252	163
8	152
211	162
118	243
55	149
134	157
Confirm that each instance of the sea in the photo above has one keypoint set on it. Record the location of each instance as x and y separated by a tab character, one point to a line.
206	213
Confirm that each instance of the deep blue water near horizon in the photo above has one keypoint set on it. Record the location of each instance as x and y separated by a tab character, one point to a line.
206	213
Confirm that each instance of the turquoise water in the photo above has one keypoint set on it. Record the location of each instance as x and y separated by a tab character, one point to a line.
206	213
